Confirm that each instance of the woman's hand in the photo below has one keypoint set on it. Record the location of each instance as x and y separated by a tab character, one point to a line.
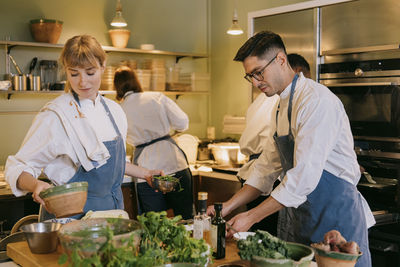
40	186
29	183
149	176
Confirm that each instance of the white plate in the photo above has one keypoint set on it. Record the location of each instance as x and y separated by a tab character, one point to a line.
242	235
189	227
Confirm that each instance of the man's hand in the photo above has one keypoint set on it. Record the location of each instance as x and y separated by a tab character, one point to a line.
211	211
240	223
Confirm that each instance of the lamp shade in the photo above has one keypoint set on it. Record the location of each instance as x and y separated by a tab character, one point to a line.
234	29
118	20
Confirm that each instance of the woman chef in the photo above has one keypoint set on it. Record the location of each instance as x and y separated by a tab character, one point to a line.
79	136
154	147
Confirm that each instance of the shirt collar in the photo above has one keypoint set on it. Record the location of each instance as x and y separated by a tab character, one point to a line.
88	103
286	93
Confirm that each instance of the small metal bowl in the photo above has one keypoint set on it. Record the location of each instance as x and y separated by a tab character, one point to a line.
42	237
164	186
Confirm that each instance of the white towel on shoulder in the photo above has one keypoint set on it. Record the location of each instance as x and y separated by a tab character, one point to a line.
91	152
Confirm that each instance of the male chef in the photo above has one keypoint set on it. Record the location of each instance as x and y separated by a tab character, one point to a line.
311	148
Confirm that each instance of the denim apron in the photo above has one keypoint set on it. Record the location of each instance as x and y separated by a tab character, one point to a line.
335	204
104	190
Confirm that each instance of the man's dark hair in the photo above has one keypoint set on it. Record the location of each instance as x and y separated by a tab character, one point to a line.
295	60
259	45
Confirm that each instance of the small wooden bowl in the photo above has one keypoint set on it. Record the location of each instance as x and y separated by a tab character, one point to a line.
65	200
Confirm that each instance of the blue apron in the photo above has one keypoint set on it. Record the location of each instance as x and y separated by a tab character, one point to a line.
335	204
104	190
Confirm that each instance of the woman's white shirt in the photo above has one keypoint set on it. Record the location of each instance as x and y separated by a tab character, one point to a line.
47	148
152	115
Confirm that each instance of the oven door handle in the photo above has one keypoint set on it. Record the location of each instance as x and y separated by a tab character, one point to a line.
357	84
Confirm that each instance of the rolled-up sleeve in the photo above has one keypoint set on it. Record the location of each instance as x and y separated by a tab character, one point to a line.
35	152
266	169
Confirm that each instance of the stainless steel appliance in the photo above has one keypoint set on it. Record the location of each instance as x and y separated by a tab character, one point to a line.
370	94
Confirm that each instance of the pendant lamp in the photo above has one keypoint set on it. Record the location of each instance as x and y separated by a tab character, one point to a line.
118	20
235	28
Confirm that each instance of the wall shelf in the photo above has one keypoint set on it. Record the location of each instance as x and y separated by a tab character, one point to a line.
103	92
108	49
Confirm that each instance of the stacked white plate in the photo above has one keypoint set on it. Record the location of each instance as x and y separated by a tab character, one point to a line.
107	79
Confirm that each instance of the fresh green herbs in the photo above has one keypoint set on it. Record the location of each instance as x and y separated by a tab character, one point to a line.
162	241
263	244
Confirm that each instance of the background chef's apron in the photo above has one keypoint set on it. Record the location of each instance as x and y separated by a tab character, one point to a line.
149	200
104	190
335	204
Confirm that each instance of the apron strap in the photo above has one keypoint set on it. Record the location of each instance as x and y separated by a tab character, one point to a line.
139	148
289	108
110	116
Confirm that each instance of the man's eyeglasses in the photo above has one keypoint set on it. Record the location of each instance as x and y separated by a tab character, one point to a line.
258	75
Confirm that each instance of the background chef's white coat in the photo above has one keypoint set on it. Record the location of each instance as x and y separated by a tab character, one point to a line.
152	115
46	145
258	128
323	141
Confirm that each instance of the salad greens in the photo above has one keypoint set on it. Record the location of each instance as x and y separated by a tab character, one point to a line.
263	244
163	241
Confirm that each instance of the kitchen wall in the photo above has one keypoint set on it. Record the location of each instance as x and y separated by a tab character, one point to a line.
197	26
230	92
173	25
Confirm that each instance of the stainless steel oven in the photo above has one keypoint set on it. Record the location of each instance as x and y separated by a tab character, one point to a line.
370	94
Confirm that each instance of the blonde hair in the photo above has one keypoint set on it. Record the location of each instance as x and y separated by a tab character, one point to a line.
82	51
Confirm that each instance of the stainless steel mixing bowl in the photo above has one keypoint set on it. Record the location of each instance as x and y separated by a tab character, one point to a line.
42	237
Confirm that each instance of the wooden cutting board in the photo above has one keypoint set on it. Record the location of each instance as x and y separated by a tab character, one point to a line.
20	253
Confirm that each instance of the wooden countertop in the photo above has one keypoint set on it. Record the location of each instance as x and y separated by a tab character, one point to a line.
20	253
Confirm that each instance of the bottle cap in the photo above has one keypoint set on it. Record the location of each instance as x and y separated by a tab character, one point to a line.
218	206
202	195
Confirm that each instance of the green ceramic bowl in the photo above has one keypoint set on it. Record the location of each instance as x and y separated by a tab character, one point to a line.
332	258
63	189
300	256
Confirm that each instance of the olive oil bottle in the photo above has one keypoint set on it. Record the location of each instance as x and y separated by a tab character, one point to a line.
218	227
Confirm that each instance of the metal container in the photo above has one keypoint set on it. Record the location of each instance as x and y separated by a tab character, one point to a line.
34	82
19	82
42	237
227	154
